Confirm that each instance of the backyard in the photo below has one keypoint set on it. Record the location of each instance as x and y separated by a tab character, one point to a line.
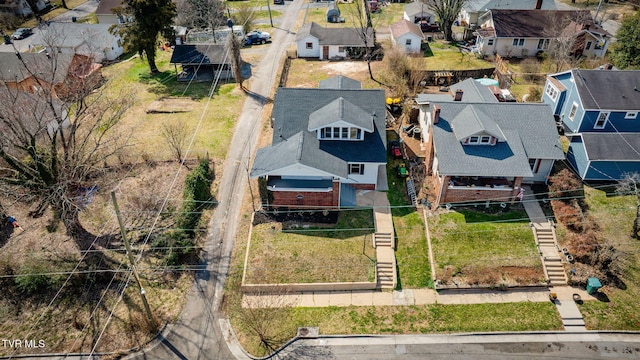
306	252
474	248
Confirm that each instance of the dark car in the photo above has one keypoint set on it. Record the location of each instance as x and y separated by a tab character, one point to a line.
21	33
257	37
278	2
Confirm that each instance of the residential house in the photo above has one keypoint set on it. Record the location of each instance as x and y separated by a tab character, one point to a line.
472	9
65	75
419	11
92	40
526	33
481	150
105	12
201	62
316	41
22	7
328	142
599	112
407	35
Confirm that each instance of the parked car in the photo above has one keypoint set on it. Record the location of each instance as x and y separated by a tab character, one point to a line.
278	2
257	37
21	33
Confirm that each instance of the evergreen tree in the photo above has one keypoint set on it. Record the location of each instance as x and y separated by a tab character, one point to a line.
626	50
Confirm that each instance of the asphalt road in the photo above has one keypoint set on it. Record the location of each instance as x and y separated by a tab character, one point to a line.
197	334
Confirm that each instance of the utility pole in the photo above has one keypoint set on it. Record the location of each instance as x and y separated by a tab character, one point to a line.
132	262
595	18
270	18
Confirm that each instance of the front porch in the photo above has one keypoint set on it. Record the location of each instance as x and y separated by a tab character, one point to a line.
461	189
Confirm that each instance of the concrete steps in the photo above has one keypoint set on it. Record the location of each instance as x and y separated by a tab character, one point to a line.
386	272
552	265
383	239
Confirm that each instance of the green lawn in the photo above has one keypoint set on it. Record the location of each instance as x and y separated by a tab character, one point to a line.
448	57
413	320
475	248
614	215
314	253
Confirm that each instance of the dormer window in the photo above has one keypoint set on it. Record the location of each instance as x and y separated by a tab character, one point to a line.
480	140
341	133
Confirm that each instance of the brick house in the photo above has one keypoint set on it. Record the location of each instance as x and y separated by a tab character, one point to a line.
328	142
481	150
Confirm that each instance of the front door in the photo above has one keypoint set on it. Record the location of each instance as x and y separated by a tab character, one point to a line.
325	52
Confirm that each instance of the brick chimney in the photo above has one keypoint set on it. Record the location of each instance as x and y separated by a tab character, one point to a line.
435	113
538	4
458	96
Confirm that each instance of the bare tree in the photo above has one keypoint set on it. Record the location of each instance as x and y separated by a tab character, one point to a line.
175	133
233	47
245	15
563	31
629	186
58	136
447	11
201	14
361	18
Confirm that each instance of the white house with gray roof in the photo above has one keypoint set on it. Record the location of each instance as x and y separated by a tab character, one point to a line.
485	150
316	41
328	143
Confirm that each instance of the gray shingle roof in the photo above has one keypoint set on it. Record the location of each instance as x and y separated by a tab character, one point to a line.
301	148
335	36
471	121
404	27
340	82
417	7
474	91
612	146
291	111
340	110
529	130
608	89
53	70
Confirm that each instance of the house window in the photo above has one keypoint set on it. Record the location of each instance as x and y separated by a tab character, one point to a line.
407	42
355	133
485	139
599	45
473	140
602	120
543	44
345	133
336	133
309	45
341	49
631	115
588	46
552	92
356	169
489	42
574	110
518	42
534	164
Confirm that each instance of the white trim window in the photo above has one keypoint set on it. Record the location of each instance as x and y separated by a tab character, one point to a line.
543	44
552	92
518	42
357	169
601	121
574	110
309	45
340	133
490	42
479	140
631	115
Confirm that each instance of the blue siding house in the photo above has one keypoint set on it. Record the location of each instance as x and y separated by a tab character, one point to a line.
599	112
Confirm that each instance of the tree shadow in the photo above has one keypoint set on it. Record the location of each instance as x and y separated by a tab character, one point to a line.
6	230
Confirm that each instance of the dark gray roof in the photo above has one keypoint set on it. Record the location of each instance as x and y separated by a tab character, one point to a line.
340	82
483	5
608	89
335	36
535	23
417	7
474	91
301	148
291	111
612	146
340	110
199	54
529	130
52	69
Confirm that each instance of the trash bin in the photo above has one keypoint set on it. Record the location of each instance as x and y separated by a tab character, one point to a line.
74	19
593	284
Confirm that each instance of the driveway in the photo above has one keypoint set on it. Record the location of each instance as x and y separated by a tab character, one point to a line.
197	334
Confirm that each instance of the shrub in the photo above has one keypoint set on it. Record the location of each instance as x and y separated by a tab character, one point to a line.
565	184
535	94
530	66
196	192
35	276
568	214
584	246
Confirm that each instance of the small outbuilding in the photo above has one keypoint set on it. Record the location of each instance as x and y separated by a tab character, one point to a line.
201	62
407	35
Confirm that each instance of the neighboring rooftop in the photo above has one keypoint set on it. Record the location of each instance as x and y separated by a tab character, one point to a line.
198	54
608	89
403	27
40	65
335	36
340	82
539	23
417	7
484	5
472	92
612	146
